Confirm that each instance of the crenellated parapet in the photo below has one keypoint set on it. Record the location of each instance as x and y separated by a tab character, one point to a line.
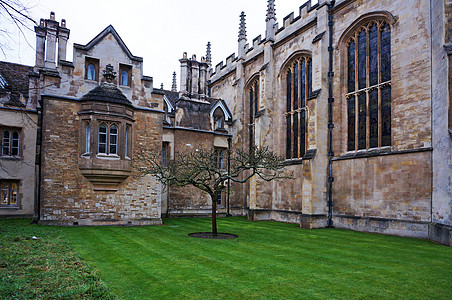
291	25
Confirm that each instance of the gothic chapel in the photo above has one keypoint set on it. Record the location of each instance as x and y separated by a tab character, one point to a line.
355	95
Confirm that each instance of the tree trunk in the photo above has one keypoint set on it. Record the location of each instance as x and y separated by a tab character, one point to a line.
214	215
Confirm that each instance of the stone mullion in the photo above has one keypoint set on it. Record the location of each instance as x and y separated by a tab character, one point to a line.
367	87
379	82
356	89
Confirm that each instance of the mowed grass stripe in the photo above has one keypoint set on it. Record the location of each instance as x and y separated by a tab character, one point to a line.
268	260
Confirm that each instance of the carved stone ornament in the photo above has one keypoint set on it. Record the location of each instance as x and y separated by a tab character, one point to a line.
109	74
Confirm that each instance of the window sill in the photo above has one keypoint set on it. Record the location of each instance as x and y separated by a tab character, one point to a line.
310	154
377	152
14	206
9	157
108	156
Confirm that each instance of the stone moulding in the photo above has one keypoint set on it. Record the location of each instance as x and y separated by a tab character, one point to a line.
105	180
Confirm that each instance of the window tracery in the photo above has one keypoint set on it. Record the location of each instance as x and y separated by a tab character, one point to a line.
369	86
298	88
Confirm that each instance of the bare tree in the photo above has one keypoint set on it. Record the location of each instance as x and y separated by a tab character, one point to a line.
202	170
18	14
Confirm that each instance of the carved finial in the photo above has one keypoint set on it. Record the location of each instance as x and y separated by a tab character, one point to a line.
242	28
161	86
271	13
174	85
208	54
52	16
109	74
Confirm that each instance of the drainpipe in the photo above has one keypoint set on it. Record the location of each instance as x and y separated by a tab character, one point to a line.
40	124
330	115
229	173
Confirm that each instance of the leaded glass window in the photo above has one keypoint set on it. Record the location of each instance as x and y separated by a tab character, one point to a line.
253	109
369	87
298	88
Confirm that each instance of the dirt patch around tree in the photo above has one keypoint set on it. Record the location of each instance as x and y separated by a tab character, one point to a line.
209	235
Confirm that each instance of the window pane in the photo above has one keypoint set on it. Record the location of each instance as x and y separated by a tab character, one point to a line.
385	53
124	77
91	72
351	123
289	91
295	86
251	106
14	191
88	138
102	138
303	132
256	97
5	193
295	135
113	139
5	144
126	142
303	83
373	118
362	44
386	116
309	74
15	144
373	55
362	112
351	67
288	136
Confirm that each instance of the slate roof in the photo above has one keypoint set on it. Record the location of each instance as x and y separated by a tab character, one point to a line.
173	97
107	93
15	81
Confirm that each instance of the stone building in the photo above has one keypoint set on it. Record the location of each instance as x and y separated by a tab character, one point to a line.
97	114
18	124
354	94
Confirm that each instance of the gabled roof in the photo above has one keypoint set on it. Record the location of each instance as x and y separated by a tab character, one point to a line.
104	33
223	106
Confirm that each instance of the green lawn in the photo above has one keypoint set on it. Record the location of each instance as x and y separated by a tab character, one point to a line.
269	260
44	268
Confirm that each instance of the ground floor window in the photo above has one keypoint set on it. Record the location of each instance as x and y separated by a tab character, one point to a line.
9	192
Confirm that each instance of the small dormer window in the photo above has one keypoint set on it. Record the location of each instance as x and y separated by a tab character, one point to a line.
91	69
91	72
124	77
218	118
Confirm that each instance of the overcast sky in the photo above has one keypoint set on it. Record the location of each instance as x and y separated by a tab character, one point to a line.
157	30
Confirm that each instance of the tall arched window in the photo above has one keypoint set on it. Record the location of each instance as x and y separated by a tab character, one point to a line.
253	109
91	72
298	88
369	87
